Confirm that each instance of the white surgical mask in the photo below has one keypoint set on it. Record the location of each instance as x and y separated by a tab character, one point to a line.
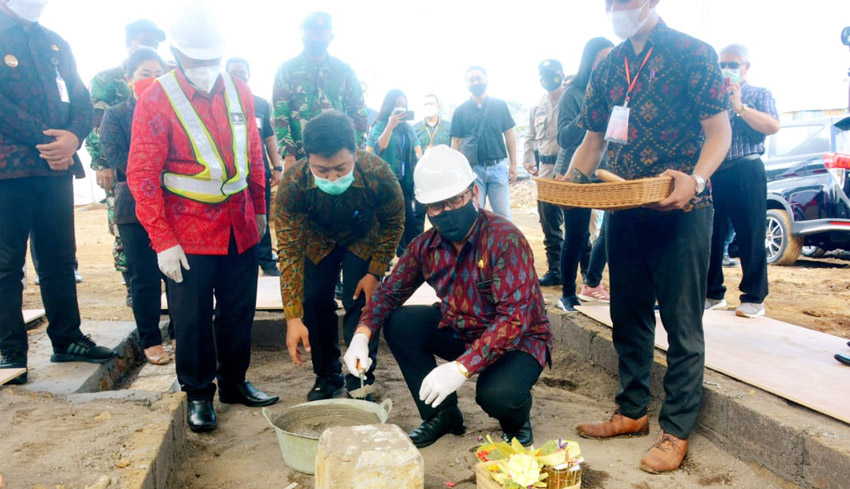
29	10
626	23
203	77
734	76
430	110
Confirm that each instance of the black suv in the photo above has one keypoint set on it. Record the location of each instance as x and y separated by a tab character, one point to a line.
808	183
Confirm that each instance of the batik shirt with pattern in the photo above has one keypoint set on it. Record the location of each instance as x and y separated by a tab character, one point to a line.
367	220
680	86
108	89
490	294
304	89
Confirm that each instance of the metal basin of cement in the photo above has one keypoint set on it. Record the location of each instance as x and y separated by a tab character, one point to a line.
298	428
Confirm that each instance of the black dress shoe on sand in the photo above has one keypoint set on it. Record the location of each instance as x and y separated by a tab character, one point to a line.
247	394
201	416
326	387
83	349
15	360
447	420
523	435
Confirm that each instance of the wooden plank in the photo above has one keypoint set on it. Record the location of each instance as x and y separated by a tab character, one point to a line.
269	299
8	374
786	360
31	315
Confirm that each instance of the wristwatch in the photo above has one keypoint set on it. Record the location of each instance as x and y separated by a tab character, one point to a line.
700	183
278	168
744	108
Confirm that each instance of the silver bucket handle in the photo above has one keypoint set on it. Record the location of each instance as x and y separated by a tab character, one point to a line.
387	406
266	413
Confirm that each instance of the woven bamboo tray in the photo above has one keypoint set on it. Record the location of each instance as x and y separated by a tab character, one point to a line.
483	480
608	196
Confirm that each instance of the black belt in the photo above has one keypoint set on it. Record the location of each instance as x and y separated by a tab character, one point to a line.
734	163
488	163
548	159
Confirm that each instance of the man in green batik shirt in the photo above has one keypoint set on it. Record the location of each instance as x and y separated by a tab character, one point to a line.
313	83
110	88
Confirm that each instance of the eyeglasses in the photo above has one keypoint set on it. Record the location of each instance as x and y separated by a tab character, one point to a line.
730	64
453	203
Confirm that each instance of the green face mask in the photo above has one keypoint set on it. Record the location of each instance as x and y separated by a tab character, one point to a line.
337	186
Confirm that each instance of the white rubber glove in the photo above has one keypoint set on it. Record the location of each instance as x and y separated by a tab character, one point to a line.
170	262
261	225
440	383
358	350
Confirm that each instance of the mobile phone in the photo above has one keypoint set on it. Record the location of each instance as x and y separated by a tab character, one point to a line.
408	114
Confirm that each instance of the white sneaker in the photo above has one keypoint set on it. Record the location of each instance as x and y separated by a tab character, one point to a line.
750	310
715	304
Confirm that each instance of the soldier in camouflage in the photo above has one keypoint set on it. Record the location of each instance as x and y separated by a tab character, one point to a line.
110	88
313	83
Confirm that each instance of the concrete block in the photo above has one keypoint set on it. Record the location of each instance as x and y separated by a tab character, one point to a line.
827	462
766	440
368	457
568	335
603	354
714	414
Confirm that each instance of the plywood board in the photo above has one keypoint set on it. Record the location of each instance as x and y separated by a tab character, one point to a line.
7	374
269	299
787	360
31	315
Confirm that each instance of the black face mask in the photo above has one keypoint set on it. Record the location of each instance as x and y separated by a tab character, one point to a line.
551	81
455	224
478	90
314	48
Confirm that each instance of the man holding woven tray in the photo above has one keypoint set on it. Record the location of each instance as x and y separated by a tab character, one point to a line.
672	86
490	322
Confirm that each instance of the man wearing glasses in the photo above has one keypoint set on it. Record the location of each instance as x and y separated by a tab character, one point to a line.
490	321
739	186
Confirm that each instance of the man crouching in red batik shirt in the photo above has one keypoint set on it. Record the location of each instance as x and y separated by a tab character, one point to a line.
491	319
196	171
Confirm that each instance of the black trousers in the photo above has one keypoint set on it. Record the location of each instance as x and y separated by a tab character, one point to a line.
44	208
551	220
659	256
320	312
145	282
264	247
740	194
414	220
576	249
598	256
503	390
219	348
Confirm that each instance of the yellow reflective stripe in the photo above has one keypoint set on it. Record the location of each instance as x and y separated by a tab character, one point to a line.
239	139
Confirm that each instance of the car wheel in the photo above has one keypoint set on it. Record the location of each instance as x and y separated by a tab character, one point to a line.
813	251
782	247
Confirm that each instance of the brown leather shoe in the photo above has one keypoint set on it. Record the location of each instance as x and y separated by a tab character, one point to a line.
666	455
616	425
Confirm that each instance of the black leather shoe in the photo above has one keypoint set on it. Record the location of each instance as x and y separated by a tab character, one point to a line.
201	416
447	420
845	359
550	279
13	360
326	387
523	435
83	349
247	394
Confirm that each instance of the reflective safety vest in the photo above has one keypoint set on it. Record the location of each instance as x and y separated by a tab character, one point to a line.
209	185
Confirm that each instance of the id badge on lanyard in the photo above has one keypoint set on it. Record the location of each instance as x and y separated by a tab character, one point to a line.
63	89
618	123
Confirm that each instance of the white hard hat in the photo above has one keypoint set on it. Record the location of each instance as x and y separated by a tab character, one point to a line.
196	35
441	174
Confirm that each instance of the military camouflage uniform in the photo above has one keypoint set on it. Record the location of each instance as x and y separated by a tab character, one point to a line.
304	89
108	88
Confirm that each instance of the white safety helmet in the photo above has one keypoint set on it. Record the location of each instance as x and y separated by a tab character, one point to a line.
195	34
441	174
